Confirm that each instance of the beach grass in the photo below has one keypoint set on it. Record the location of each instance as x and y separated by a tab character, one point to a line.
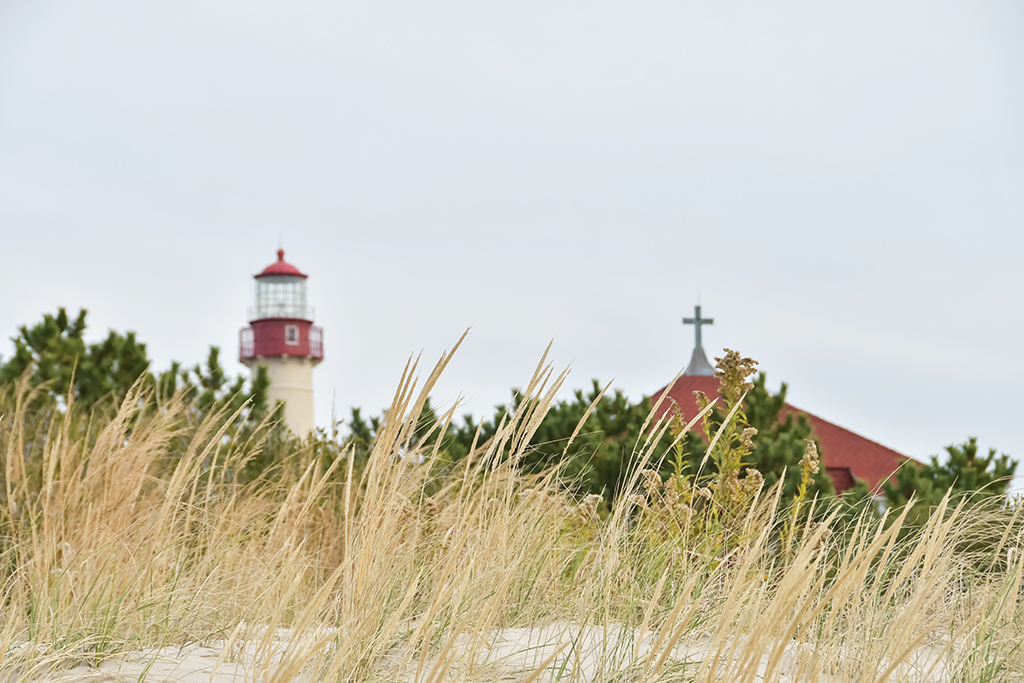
132	537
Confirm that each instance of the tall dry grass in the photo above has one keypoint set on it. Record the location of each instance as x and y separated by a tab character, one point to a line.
409	568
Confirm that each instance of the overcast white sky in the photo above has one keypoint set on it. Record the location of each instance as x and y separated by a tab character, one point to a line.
843	183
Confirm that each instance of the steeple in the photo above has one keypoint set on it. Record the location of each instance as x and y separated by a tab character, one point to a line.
699	364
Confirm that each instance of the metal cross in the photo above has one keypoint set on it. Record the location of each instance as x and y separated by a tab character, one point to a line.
697	321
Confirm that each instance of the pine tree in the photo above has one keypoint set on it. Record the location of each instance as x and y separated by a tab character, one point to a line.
104	371
61	359
964	472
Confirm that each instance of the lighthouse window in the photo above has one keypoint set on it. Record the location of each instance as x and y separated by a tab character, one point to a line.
291	334
281	297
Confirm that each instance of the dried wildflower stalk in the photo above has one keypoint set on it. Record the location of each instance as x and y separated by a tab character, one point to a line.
705	511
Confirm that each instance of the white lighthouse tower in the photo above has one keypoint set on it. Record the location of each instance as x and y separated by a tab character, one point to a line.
281	336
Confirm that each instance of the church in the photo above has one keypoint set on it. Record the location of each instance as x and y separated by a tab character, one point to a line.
848	457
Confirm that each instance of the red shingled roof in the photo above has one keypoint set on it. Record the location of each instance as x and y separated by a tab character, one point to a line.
281	267
847	456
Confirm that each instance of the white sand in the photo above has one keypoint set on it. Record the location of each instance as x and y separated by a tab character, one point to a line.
509	655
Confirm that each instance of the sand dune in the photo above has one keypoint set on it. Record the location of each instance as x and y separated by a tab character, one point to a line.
563	652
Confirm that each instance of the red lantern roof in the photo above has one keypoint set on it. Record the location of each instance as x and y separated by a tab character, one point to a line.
281	267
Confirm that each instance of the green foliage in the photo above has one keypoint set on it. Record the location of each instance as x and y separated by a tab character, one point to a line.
599	456
362	433
707	513
761	437
780	442
594	463
964	472
208	389
56	350
63	364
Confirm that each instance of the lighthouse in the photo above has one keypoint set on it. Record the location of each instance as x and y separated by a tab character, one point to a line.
281	336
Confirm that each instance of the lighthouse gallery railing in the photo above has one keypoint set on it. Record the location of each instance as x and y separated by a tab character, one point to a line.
247	343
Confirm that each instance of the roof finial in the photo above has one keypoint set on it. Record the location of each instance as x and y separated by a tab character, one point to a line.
280	254
699	364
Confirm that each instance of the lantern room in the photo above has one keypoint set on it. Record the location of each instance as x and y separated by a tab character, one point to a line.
281	324
281	292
